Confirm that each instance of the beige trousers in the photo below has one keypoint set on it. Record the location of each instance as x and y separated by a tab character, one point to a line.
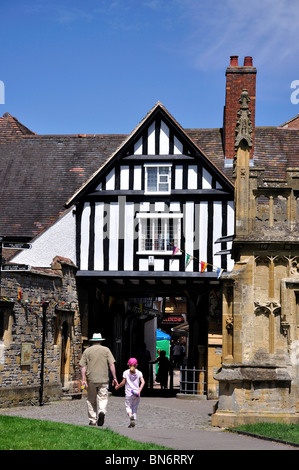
97	400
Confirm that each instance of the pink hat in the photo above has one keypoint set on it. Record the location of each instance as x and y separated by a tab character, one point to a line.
132	361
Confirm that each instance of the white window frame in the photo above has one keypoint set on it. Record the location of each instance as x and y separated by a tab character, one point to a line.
159	177
156	247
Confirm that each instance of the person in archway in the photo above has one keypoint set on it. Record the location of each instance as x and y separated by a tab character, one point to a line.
94	371
163	369
177	354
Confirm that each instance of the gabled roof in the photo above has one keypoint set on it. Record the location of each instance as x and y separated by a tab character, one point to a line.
38	174
275	149
123	149
11	128
292	123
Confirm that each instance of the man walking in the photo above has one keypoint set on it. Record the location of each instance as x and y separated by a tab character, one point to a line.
94	371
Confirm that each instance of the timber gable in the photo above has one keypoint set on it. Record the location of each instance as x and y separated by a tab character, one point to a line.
158	138
158	193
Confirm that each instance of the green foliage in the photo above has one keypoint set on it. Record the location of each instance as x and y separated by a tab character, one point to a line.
32	434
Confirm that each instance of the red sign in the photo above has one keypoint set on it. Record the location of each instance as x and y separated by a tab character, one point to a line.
173	319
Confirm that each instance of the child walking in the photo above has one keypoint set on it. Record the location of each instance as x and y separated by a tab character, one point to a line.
134	383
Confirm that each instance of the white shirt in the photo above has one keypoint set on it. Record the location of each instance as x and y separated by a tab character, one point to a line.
132	381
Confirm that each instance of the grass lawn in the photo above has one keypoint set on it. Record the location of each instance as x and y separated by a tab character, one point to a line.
32	434
280	431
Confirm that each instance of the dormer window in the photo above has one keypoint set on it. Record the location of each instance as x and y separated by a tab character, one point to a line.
157	178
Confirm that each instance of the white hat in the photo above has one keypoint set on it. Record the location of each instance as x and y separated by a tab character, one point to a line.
97	337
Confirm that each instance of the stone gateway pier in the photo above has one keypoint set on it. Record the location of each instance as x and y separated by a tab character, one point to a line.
259	378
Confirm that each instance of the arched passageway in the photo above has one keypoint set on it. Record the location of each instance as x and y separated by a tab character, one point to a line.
127	313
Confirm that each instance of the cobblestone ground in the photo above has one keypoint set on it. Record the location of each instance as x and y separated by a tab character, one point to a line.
152	413
166	413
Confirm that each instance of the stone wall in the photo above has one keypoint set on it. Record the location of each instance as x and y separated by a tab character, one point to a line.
33	302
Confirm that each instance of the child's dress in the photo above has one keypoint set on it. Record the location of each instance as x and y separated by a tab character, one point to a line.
131	389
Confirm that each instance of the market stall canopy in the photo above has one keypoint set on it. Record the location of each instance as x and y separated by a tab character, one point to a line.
160	335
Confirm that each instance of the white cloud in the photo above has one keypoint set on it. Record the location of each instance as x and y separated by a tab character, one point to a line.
267	30
204	32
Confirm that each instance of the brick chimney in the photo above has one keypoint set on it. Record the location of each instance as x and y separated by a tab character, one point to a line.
238	78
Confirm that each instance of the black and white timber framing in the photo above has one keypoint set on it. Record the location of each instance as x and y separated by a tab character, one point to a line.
157	192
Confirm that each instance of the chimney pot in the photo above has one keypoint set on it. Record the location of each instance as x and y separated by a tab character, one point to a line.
234	60
248	61
237	79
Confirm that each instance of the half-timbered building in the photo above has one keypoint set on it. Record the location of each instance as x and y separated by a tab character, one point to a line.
147	225
157	198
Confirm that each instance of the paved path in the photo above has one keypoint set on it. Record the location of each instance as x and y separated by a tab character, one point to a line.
176	423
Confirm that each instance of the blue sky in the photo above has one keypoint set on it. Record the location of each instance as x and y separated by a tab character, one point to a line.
98	66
